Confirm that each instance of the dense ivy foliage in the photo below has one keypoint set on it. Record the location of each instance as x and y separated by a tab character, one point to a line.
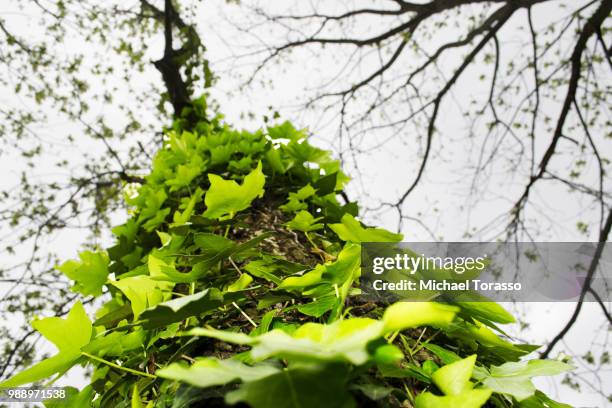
236	280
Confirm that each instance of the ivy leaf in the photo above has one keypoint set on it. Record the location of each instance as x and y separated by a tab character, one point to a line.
181	308
89	274
319	306
469	399
490	311
343	340
185	173
351	230
274	160
443	354
285	131
373	391
214	249
226	197
303	152
116	343
305	222
296	200
135	402
270	267
182	218
326	184
213	246
404	315
539	400
294	388
241	283
142	292
345	267
514	378
68	335
454	381
454	378
208	372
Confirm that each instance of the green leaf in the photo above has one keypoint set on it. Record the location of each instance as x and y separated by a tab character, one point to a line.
68	335
143	292
226	197
296	200
469	399
285	131
345	268
373	391
430	367
303	152
351	230
185	173
539	400
266	322
89	274
297	388
182	218
223	335
273	159
207	372
482	334
181	308
490	311
319	307
271	268
326	184
305	222
514	378
116	343
404	315
136	403
241	283
454	378
213	245
443	354
343	340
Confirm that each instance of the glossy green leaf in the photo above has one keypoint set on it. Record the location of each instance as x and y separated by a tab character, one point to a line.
207	372
305	222
181	308
68	335
344	340
143	292
372	391
469	399
351	230
89	274
116	343
345	267
226	197
182	217
454	378
297	388
487	311
241	283
539	400
135	402
404	315
514	378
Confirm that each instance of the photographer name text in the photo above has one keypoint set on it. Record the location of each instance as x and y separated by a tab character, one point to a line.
446	285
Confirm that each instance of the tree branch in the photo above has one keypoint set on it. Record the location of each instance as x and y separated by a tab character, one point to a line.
603	238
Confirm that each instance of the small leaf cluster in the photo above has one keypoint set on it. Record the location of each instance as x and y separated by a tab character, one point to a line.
236	280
